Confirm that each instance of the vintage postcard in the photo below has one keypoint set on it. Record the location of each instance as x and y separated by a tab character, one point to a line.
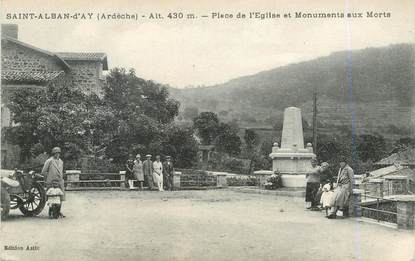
207	130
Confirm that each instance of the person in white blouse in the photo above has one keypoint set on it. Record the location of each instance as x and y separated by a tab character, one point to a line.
158	173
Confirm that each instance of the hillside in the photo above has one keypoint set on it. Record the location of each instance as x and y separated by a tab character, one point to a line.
376	85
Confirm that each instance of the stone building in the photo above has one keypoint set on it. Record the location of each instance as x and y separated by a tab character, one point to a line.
27	66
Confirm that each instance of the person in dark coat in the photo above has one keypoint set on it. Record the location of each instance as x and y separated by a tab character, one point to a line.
129	174
148	172
168	172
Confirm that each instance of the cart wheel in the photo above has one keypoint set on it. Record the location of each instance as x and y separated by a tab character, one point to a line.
14	202
5	203
35	201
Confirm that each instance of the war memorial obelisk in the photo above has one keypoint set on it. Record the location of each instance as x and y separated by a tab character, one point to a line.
292	160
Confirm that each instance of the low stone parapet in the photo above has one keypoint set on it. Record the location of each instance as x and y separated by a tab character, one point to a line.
176	179
122	179
221	181
405	211
263	176
355	208
72	176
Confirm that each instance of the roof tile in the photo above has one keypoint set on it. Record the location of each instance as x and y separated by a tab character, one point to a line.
29	77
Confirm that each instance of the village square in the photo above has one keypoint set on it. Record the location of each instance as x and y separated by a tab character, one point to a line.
303	161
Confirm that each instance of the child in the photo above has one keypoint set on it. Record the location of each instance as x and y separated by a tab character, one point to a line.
54	199
326	198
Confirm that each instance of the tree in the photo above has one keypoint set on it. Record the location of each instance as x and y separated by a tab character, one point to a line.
228	140
371	147
51	117
251	140
143	112
180	144
133	116
403	144
207	126
190	113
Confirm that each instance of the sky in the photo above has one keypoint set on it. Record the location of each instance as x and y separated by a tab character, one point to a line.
182	52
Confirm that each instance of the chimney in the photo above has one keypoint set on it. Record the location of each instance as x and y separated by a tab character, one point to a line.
9	30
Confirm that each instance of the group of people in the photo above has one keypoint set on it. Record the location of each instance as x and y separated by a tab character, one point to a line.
328	195
159	175
155	175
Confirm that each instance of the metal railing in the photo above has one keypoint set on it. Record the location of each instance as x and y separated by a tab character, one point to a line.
377	205
97	181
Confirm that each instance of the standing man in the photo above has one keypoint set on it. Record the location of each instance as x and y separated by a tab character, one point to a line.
168	171
313	185
148	171
158	173
53	170
343	191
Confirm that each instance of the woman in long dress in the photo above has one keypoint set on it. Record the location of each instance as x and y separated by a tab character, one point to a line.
138	171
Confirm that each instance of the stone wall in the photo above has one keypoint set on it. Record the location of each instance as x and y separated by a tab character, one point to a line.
19	58
86	74
191	178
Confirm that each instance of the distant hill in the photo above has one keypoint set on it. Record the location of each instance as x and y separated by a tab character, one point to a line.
379	82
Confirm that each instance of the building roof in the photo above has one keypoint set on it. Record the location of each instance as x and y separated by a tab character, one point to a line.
385	171
29	77
405	157
394	170
65	64
62	57
75	56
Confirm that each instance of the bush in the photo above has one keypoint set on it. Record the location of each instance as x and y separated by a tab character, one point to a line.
274	181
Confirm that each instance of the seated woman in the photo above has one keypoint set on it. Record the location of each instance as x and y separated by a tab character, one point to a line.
343	190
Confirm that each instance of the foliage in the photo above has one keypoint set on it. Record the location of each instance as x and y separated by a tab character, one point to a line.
227	140
371	147
133	116
190	113
180	145
223	162
251	139
403	144
50	117
274	181
206	125
360	152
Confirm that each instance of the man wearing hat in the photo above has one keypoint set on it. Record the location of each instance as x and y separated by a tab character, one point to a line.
53	170
148	172
168	171
343	191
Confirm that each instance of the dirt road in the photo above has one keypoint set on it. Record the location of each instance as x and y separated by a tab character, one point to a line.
196	225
